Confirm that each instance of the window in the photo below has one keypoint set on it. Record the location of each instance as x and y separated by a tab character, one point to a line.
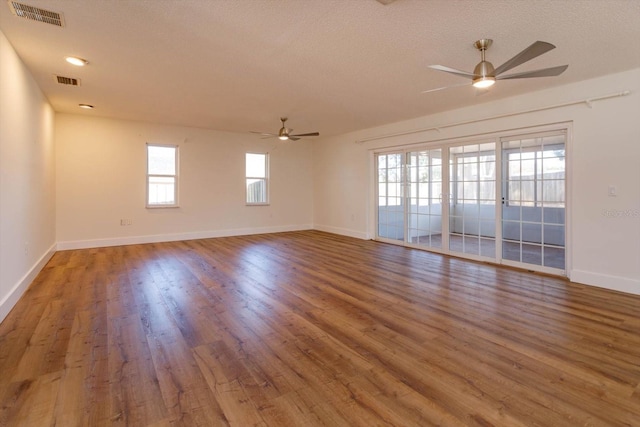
162	176
257	171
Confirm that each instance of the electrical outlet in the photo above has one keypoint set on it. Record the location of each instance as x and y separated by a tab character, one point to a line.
126	221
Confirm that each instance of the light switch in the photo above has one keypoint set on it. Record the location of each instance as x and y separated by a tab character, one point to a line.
613	191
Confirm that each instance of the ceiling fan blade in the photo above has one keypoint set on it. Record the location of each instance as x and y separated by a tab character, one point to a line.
452	71
306	134
545	72
293	138
533	51
263	133
445	87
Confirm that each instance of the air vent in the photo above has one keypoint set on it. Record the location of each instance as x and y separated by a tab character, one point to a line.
67	81
36	14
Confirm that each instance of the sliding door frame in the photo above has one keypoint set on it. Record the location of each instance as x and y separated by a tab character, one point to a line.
445	145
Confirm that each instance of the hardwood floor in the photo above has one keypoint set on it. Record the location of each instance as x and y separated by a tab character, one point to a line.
311	329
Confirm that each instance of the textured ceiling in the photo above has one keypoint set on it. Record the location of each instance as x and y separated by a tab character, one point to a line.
331	66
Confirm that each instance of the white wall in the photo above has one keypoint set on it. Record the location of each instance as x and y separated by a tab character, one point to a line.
101	167
27	178
604	244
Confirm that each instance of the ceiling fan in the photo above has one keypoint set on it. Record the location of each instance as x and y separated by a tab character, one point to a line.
285	133
485	75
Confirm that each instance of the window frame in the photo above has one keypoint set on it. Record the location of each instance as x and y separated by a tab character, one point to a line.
265	178
175	176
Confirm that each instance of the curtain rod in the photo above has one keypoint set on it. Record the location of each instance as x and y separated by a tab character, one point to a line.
588	102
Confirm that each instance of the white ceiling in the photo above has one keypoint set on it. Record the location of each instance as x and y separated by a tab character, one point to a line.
331	66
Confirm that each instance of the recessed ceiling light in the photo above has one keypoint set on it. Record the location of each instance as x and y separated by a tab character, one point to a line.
86	106
79	62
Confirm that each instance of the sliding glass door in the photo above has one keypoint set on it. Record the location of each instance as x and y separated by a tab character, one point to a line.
472	201
533	206
424	216
391	202
500	200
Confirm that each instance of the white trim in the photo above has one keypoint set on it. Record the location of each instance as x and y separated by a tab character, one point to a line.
342	231
156	238
19	288
614	283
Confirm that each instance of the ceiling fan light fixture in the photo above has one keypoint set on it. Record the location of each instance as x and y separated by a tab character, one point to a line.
484	73
283	137
484	82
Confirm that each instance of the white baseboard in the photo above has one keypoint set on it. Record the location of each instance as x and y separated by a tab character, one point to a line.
134	240
342	231
615	283
10	300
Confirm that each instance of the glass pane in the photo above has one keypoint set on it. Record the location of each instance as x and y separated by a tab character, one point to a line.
554	235
531	232
514	166
256	165
488	247
512	212
553	190
488	191
554	257
435	208
511	230
532	254
471	245
436	173
436	190
161	160
256	191
162	190
527	168
382	162
382	190
532	214
552	168
514	192
511	251
527	193
487	171
487	228
554	215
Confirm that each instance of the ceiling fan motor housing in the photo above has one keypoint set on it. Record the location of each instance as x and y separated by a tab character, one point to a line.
484	69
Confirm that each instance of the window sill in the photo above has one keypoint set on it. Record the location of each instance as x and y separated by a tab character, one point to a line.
162	206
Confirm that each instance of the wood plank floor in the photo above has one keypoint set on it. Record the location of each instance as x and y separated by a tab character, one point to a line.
312	329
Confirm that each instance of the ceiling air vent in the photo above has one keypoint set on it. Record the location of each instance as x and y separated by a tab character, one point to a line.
36	14
67	81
